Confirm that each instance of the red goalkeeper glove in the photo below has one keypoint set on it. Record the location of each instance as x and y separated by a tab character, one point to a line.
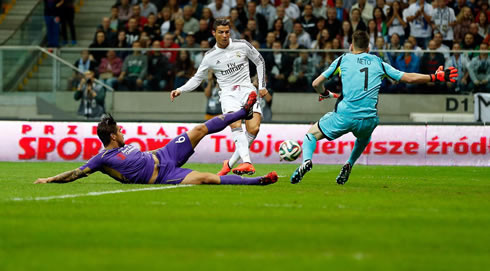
327	94
447	75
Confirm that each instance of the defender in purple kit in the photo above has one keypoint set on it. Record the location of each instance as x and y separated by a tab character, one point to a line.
127	164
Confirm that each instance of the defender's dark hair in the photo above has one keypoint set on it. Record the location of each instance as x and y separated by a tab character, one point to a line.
220	21
105	128
360	39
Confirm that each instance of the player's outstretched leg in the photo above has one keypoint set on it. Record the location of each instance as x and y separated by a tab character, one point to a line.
359	147
220	122
309	145
209	178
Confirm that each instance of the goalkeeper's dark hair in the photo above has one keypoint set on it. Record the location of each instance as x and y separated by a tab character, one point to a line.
360	39
219	22
105	128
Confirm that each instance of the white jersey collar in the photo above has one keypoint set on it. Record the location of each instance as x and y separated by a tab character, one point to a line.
229	44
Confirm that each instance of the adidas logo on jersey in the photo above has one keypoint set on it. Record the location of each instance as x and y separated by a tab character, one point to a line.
217	62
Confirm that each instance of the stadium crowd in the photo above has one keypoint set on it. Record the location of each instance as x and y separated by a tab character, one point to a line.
151	27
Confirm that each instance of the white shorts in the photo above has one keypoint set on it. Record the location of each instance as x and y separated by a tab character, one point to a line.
233	99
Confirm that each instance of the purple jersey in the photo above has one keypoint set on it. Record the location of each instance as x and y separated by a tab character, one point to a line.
126	164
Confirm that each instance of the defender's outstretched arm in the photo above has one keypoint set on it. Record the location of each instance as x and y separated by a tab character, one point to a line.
64	177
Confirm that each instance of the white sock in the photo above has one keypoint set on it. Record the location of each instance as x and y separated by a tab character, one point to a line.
241	144
236	156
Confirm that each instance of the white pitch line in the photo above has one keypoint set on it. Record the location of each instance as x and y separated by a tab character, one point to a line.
101	193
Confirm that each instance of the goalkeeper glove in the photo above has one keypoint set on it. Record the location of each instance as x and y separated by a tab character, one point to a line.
442	75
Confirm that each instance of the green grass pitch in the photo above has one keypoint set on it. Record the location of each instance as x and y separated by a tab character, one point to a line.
384	218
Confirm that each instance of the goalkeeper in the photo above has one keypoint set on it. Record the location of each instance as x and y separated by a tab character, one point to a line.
356	108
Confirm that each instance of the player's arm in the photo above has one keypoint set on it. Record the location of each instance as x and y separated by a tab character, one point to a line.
65	177
259	62
440	75
194	82
319	83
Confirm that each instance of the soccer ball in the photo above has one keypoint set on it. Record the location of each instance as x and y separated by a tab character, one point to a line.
289	150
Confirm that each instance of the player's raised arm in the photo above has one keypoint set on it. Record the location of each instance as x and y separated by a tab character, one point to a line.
441	75
333	69
65	177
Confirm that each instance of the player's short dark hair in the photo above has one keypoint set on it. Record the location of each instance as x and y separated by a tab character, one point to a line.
220	21
105	128
360	39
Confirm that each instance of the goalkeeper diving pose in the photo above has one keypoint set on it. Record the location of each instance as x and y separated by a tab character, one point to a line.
355	111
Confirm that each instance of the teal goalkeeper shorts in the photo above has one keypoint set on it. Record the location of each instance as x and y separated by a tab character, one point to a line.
334	125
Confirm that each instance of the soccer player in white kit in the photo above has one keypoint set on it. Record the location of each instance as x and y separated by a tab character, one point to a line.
229	61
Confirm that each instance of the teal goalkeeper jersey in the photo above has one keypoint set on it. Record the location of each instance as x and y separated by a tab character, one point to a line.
361	76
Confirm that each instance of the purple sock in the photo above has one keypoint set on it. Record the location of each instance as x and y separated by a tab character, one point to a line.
235	179
219	123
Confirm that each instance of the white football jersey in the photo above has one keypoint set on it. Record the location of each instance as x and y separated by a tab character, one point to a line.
230	66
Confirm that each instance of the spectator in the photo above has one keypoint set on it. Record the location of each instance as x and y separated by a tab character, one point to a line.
383	6
269	41
145	42
395	23
105	27
430	62
134	70
443	21
148	8
308	21
115	24
356	21
303	72
279	32
395	44
212	93
440	47
184	69
380	20
196	8
198	58
416	48
463	21
203	33
99	43
208	16
321	40
279	66
92	96
292	43
168	42
458	5
333	25
483	25
342	13
140	20
292	10
260	20
286	21
479	70
346	34
242	12
304	38
373	32
191	24
175	10
84	63
121	43
219	9
408	61
267	10
152	28
165	21
460	62
483	11
250	33
470	44
190	42
125	11
110	68
419	17
67	19
319	9
133	33
337	47
159	69
366	10
380	45
52	9
474	30
236	26
179	34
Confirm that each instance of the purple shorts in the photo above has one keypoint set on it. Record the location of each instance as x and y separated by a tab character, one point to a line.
172	157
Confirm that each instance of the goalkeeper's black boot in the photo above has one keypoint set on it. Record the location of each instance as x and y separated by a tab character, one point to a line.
301	171
344	173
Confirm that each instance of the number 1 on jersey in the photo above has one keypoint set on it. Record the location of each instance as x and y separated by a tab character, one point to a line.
365	77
